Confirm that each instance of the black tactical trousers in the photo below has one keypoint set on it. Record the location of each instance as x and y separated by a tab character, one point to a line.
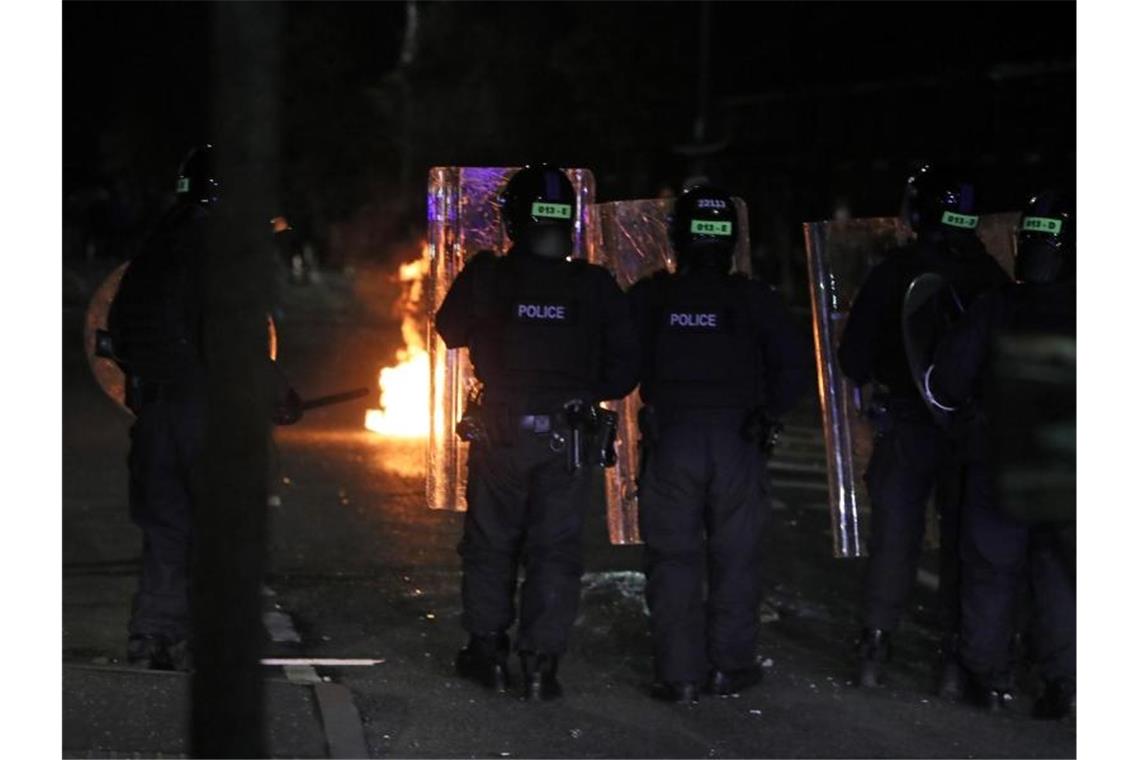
997	551
523	509
909	460
164	461
703	501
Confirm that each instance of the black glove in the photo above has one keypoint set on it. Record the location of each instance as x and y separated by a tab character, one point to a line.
287	411
760	429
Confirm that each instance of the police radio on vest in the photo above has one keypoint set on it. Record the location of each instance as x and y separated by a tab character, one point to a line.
692	320
541	311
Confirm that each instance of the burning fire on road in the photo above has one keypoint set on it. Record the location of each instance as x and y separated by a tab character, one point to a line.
404	395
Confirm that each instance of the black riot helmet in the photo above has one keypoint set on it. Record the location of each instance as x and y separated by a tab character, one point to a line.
197	182
939	201
1047	239
703	229
538	208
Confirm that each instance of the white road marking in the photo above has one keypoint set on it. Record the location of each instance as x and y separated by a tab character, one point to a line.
321	662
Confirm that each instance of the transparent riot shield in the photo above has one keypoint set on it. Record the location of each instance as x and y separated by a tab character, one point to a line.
839	255
633	242
463	219
998	233
107	373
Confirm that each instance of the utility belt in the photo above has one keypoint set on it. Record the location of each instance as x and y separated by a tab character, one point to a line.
585	432
884	410
755	426
139	392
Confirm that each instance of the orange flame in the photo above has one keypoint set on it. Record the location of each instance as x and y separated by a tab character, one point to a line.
403	411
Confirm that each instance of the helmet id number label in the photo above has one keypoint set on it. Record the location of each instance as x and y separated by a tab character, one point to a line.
964	221
550	210
1041	224
704	227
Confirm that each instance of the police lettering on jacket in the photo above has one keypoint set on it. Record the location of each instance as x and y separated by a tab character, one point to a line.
541	312
694	320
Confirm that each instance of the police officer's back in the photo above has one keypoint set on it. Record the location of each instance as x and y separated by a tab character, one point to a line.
1042	299
941	210
911	452
721	362
548	337
999	547
155	323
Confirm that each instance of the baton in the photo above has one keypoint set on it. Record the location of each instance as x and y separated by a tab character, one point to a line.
335	398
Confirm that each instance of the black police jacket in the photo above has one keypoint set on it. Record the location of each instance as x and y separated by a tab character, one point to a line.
963	355
872	345
541	332
710	339
156	317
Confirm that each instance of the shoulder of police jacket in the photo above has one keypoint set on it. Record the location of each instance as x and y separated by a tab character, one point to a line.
750	283
593	272
586	266
901	253
654	279
763	297
894	264
485	257
650	282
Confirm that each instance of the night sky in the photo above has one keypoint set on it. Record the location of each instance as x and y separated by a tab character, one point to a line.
814	105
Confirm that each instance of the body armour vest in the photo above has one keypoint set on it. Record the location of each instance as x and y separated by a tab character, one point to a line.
541	343
703	348
155	317
971	271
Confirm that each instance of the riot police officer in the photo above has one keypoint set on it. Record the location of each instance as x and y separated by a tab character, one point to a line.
911	452
549	336
721	362
155	326
999	548
155	321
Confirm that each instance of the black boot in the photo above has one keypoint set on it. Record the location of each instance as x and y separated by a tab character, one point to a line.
181	656
951	681
678	692
484	661
1058	702
724	683
151	651
540	676
992	694
874	651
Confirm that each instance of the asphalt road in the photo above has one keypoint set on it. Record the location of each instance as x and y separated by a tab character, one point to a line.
365	570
